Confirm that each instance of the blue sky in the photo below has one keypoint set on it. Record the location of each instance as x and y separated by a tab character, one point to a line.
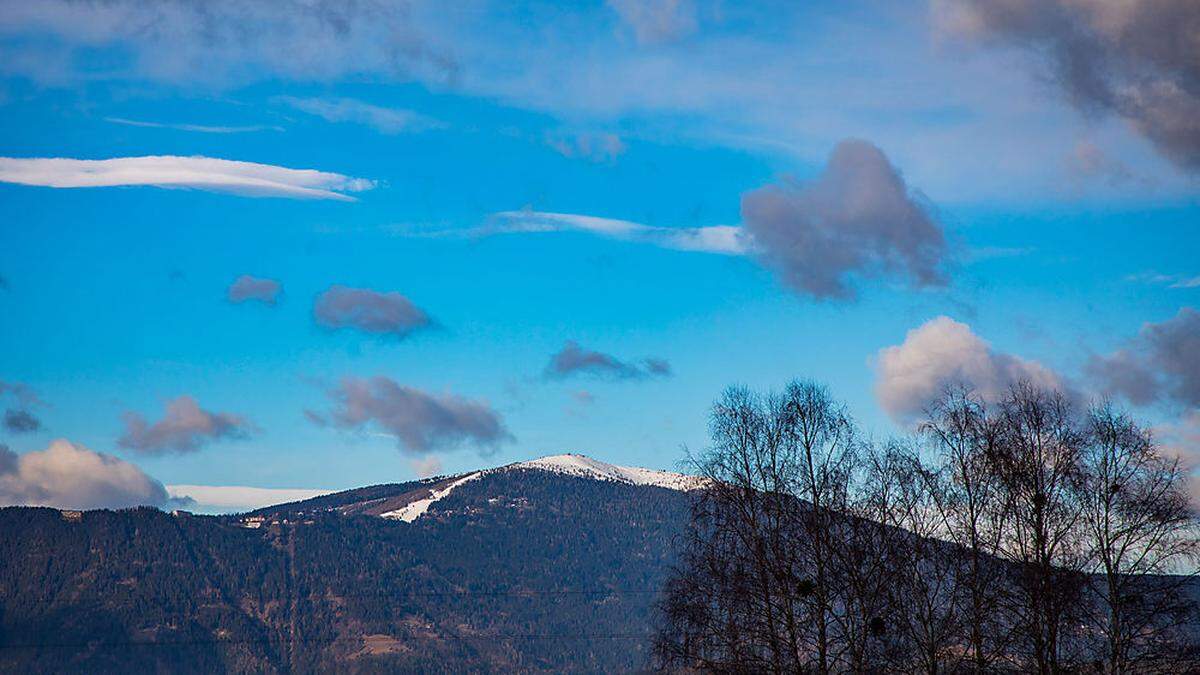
1062	228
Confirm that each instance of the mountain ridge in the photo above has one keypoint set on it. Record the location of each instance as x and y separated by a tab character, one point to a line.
408	501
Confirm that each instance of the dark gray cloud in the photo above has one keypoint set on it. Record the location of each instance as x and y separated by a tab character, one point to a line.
575	360
370	311
185	427
69	476
1136	59
858	217
1161	364
247	287
421	422
21	421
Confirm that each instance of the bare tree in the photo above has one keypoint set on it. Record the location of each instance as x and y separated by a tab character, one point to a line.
1140	527
969	501
823	441
1037	464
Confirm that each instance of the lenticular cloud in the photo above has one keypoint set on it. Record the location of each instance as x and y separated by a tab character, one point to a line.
168	171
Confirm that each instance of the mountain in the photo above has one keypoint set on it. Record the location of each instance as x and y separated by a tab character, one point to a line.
548	565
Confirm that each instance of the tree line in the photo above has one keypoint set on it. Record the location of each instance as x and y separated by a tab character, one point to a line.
1025	534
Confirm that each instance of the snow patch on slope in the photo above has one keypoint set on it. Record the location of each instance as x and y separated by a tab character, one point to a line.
416	509
586	467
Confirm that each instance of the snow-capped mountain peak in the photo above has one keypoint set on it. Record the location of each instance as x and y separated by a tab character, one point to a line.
586	467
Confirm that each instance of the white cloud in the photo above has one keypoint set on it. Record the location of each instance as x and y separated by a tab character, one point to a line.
70	476
235	498
943	352
167	171
722	239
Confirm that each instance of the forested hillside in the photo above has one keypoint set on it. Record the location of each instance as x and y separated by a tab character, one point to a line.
522	570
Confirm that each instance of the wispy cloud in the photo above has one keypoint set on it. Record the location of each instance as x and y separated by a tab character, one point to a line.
198	128
721	239
1168	280
383	120
657	21
981	253
226	42
600	148
168	171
